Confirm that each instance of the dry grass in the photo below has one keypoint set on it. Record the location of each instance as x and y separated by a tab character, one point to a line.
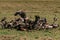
42	8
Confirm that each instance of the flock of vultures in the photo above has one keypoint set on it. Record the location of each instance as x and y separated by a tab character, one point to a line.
24	23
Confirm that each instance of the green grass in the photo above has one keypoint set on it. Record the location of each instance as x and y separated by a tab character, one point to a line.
45	9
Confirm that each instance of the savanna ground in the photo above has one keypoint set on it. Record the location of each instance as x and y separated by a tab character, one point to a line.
43	8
